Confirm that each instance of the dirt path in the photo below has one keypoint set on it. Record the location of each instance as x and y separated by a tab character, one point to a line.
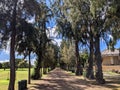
60	80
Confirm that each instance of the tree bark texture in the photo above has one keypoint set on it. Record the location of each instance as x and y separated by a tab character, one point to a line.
29	69
98	60
90	72
79	70
37	71
12	50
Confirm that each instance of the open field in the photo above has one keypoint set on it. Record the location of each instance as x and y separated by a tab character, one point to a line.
4	78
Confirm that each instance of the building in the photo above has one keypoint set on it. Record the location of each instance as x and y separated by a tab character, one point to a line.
111	57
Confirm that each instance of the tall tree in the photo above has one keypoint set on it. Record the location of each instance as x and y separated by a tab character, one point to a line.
114	22
12	48
68	54
51	56
26	40
11	11
40	23
69	21
99	18
65	54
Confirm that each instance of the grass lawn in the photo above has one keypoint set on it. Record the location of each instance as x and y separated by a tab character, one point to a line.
20	75
4	77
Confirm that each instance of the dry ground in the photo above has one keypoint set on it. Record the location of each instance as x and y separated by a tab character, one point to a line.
61	80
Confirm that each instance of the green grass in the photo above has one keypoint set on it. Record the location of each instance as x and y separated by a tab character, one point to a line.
20	75
4	77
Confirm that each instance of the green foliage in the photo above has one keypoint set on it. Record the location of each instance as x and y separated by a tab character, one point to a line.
0	65
6	65
26	39
41	19
67	54
11	14
23	64
19	63
84	58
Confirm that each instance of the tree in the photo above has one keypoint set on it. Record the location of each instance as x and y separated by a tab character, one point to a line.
84	57
17	61
100	17
114	22
67	55
51	56
0	65
42	39
69	24
90	73
23	64
26	41
99	22
11	12
5	65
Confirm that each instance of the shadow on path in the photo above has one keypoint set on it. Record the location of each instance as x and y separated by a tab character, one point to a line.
60	80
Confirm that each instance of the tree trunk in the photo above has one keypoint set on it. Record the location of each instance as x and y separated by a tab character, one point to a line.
79	70
29	69
12	50
41	72
42	45
37	71
44	70
90	72
98	60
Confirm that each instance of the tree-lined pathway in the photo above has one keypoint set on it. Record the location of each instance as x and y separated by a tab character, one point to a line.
59	79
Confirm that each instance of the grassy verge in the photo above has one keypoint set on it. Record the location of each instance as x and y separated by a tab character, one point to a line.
4	77
21	74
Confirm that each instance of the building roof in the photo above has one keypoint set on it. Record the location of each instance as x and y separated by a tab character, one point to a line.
108	52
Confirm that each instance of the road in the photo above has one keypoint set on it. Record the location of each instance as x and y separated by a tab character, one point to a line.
59	79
